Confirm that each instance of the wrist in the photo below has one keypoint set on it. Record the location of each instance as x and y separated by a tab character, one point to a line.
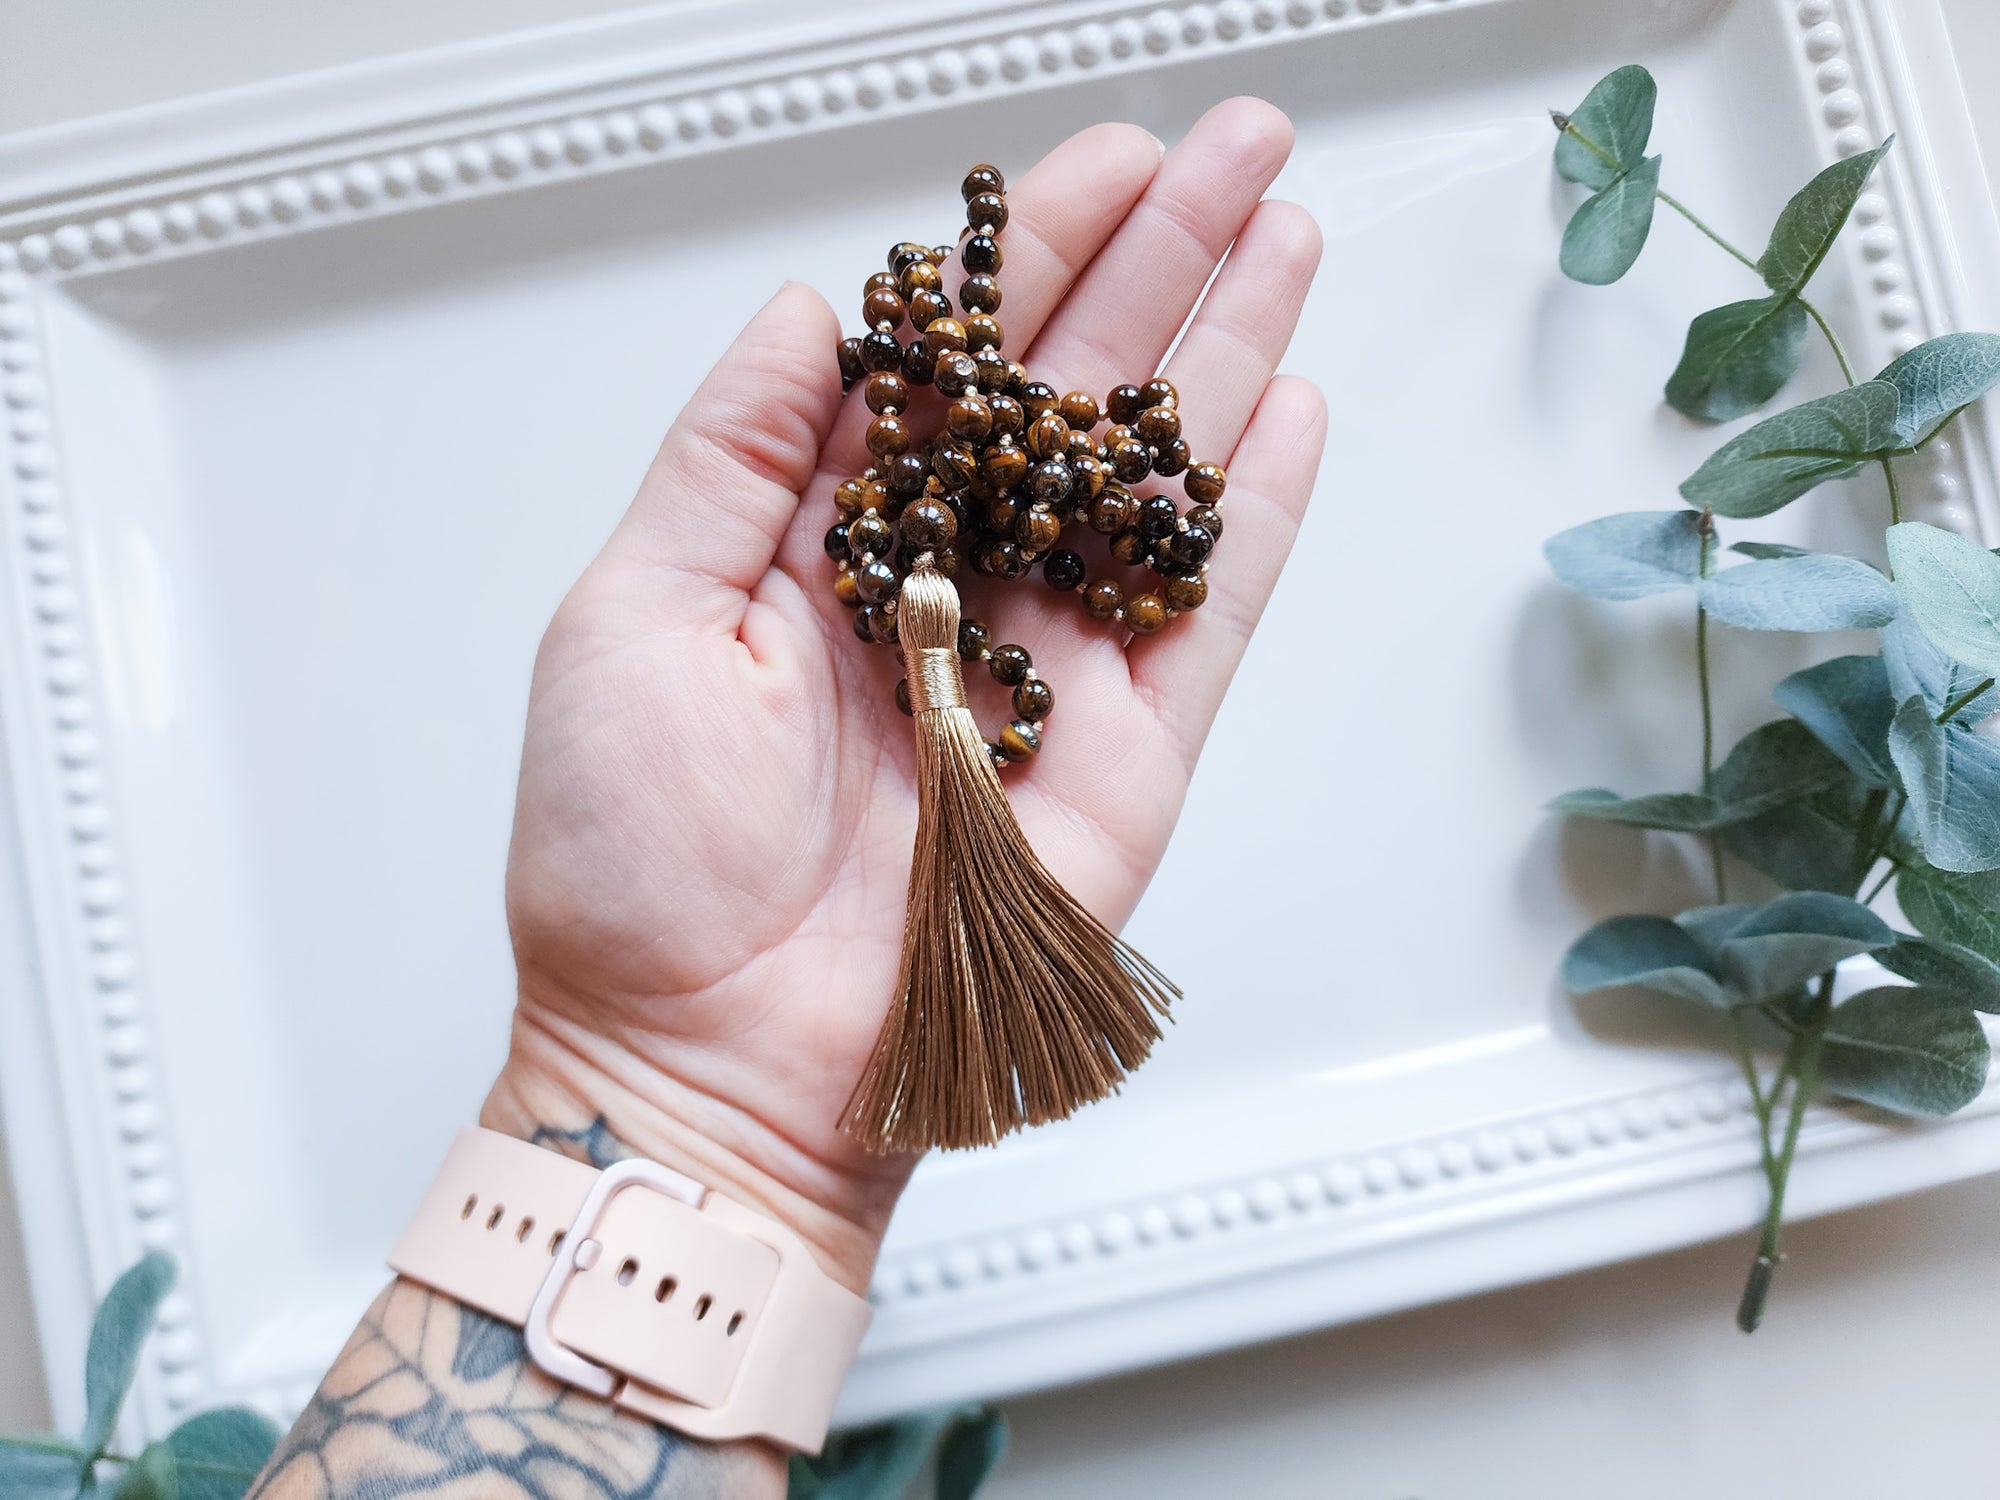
573	1090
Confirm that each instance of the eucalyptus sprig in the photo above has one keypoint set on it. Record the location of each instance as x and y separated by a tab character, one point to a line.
213	1456
1881	773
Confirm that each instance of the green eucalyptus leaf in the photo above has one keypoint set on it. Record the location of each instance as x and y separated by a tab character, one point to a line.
1609	228
1794	939
1772	765
1908	1050
1845	702
1617	117
877	1463
218	1453
1952	587
1818	591
1807	844
1952	776
1710	926
1673	812
1769	549
1917	666
153	1475
124	1318
1961	909
1809	224
39	1468
973	1444
1940	378
1628	556
1650	952
1773	463
1945	968
1737	357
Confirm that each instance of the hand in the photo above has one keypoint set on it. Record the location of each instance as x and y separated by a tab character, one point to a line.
715	818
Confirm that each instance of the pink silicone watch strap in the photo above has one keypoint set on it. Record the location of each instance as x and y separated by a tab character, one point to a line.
676	1303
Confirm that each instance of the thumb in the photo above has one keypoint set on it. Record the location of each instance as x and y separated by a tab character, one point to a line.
726	481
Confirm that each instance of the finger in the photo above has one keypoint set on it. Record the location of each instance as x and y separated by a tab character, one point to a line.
724	486
1124	311
1182	675
1243	326
1059	217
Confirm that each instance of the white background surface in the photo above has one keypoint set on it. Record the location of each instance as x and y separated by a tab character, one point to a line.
1627	1382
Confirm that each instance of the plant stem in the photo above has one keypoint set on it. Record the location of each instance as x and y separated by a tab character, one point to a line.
1803	1059
1689	214
1839	354
1895	496
1706	528
1951	709
1880	885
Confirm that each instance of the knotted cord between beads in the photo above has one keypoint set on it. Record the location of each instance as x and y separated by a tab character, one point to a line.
1014	466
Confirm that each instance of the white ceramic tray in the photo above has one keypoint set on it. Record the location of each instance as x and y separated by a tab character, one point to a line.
316	396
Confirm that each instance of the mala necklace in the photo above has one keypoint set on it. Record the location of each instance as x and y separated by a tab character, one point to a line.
1015	1006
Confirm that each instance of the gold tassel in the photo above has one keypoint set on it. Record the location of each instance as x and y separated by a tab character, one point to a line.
1015	1006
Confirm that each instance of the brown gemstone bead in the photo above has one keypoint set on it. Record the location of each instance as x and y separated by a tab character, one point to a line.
1157	515
1037	531
877	581
1124	403
927	307
1080	445
984	178
1038	397
1020	740
1009	665
1033	700
1004	467
1079	409
1157	425
927	524
882	622
948	559
851	497
851	368
880	350
968	418
1003	560
956	373
883	310
906	474
1205	483
1129	548
1207	517
836	544
955	464
868	532
1048	435
992	367
944	335
1063	570
864	624
882	281
918	363
979	294
1171	458
1103	599
1186	593
846	587
1010	418
888	436
920	276
1050	481
1003	513
1112	511
974	639
1158	392
983	332
1015	380
1090	475
1191	545
907	253
1130	460
987	212
887	391
903	704
1145	613
980	254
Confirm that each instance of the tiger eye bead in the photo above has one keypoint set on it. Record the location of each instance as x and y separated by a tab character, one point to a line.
1208	518
850	497
992	367
1010	418
1171	458
906	254
1089	474
1112	511
1003	514
881	351
1157	424
918	363
944	335
836	544
1080	445
1079	409
1019	740
1144	614
968	419
1033	700
1050	481
903	704
868	533
887	391
1157	515
980	254
1037	531
1130	460
974	639
1128	548
847	588
883	310
1063	570
1004	467
984	178
882	622
1186	594
1158	392
920	276
864	624
1038	396
1009	665
906	474
1191	545
1004	560
882	281
949	558
955	464
927	307
888	436
1015	379
979	294
927	524
1205	483
982	332
1124	403
1048	435
956	373
1103	599
986	212
851	367
877	581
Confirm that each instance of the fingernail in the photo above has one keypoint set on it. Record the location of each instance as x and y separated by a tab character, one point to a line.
1162	145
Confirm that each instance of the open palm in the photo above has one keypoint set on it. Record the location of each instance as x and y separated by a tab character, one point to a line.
716	807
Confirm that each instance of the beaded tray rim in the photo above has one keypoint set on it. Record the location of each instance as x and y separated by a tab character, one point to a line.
411	133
